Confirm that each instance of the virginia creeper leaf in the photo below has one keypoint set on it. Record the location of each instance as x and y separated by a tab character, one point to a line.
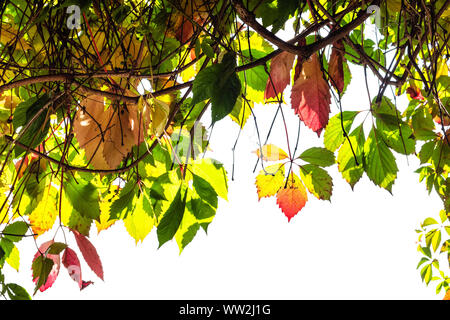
317	181
45	267
171	219
139	222
219	83
334	135
280	74
16	292
350	156
270	180
293	197
310	95
26	114
381	167
15	231
84	197
72	264
89	253
318	156
336	65
271	152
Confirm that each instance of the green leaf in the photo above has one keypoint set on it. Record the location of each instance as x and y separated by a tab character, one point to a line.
334	135
121	206
381	167
38	129
56	248
256	77
16	292
422	261
318	156
428	222
188	236
422	124
15	231
6	247
41	267
205	190
317	181
219	83
398	136
171	219
436	240
426	151
351	165
207	49
84	197
426	273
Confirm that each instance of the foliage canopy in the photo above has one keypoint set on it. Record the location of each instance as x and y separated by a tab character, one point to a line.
83	145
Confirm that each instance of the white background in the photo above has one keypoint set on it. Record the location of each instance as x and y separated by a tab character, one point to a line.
360	245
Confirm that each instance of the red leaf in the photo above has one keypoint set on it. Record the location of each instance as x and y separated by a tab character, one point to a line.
280	74
55	269
310	96
415	93
72	263
89	253
85	284
291	200
336	66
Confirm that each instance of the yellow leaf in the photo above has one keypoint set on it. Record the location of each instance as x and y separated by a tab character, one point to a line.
269	181
43	217
271	152
9	35
13	259
105	223
442	68
159	113
140	222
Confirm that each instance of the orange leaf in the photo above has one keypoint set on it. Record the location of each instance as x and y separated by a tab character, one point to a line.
293	198
310	96
108	136
447	295
280	74
271	152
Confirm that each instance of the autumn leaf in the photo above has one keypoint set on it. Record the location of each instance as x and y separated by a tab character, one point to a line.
447	295
270	180
43	217
271	152
72	263
293	197
280	74
336	65
310	96
415	93
89	253
107	136
45	267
